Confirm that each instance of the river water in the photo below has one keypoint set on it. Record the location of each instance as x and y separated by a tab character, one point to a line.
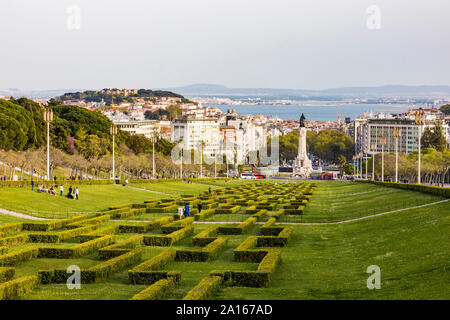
315	112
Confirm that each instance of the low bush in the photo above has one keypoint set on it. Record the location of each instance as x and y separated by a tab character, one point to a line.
145	227
206	213
239	229
205	289
120	248
92	221
206	236
117	264
13	258
227	210
14	240
11	227
260	214
169	239
156	291
207	253
18	287
6	274
147	272
76	250
97	233
177	225
3	250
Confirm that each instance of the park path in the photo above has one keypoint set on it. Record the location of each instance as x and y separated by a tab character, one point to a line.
25	216
152	191
20	215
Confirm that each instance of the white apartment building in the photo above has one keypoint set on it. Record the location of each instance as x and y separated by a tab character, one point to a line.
368	131
146	127
195	131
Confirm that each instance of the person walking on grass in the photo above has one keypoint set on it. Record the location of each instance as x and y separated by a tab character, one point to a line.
199	207
61	190
32	185
209	190
76	192
186	210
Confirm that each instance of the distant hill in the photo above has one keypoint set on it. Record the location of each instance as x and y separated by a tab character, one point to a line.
350	92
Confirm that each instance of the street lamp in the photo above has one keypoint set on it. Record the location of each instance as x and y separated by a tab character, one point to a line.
420	121
354	167
397	135
113	132
181	162
373	147
382	143
48	117
153	139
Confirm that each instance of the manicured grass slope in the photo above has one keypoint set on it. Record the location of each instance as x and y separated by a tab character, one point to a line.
337	201
329	262
92	198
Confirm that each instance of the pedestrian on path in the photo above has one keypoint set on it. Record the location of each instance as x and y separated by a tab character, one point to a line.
199	207
61	190
76	193
32	185
186	210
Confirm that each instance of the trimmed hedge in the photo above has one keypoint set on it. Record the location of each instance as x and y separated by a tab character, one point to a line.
13	258
3	250
95	273
145	227
156	291
204	214
52	225
205	289
14	240
18	287
434	190
92	221
169	239
207	253
76	250
205	237
227	210
97	233
120	248
239	229
59	236
6	274
117	264
177	225
147	272
11	227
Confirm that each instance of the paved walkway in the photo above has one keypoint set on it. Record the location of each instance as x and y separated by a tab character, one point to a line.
158	192
20	215
25	216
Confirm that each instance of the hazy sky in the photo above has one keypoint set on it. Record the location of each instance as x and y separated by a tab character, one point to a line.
304	44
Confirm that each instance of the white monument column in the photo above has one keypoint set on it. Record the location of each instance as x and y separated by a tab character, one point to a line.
302	164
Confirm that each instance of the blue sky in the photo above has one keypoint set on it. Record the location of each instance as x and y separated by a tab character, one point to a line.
302	44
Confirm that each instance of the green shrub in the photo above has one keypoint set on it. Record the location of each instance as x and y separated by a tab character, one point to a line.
92	221
3	250
97	233
14	240
207	253
205	289
11	227
260	214
120	248
18	287
6	274
205	237
227	210
13	258
239	229
156	291
206	213
145	227
76	250
117	264
169	239
177	225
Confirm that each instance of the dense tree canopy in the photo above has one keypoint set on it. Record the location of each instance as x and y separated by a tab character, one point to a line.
434	138
445	109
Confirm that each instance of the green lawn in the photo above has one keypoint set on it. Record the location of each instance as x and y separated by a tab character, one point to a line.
92	198
329	262
337	201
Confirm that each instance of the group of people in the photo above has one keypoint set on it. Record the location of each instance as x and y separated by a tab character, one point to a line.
72	194
187	208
